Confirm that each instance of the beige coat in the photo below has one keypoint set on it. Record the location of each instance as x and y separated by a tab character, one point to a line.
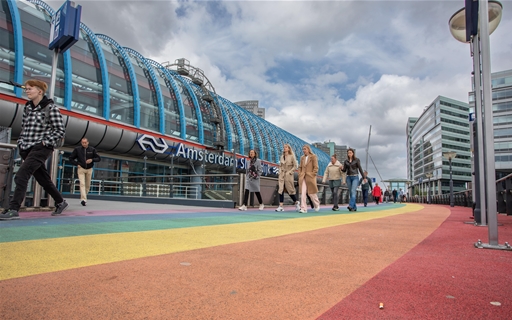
333	171
308	171
286	170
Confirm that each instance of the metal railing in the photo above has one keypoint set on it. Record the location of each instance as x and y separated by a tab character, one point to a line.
176	186
465	198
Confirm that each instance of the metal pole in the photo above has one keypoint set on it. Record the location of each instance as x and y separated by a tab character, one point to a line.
53	77
479	168
428	191
452	202
144	189
490	171
368	148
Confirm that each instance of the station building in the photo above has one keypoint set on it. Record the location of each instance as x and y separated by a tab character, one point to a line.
146	119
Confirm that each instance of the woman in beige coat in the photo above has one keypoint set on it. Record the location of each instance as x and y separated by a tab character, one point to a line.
308	170
287	166
333	173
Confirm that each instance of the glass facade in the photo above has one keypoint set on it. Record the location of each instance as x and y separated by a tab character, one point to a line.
443	127
99	77
502	121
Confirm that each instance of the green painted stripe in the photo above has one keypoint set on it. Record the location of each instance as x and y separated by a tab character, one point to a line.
83	229
24	258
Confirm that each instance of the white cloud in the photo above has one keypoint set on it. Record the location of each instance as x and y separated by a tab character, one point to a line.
325	70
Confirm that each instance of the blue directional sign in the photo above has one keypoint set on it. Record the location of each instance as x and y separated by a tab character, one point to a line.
471	116
65	27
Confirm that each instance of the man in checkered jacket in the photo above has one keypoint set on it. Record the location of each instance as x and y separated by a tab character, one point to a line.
35	143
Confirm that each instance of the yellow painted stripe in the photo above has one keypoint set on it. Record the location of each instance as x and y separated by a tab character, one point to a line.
24	258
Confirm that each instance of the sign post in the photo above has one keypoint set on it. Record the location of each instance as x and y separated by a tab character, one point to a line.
64	33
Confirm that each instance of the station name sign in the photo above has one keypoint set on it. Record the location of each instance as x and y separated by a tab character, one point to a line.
147	142
158	145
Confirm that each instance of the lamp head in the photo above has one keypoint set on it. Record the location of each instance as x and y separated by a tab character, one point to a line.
457	22
450	155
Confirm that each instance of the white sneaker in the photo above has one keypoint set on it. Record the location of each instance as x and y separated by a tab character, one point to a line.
297	206
262	206
317	209
279	209
303	211
242	208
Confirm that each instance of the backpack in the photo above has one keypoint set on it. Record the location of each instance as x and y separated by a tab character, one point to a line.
59	143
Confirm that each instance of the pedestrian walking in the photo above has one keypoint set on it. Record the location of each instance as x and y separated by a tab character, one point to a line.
395	195
84	158
333	174
287	166
402	195
42	128
308	169
352	166
366	187
377	193
386	195
252	180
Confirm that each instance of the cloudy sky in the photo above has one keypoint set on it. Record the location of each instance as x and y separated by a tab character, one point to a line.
324	70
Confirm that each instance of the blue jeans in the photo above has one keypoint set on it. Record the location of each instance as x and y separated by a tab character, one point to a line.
352	183
365	196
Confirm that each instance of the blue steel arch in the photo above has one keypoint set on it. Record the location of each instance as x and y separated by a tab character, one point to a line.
156	84
174	87
283	137
199	116
247	132
262	126
227	126
133	78
273	139
103	68
195	92
241	135
18	45
227	123
238	111
68	69
247	115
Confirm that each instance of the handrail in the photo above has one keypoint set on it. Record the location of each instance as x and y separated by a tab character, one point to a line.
8	145
504	178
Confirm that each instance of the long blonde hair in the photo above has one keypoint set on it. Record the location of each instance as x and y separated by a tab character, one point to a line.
290	150
307	146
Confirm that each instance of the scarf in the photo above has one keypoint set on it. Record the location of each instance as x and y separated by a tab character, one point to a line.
253	174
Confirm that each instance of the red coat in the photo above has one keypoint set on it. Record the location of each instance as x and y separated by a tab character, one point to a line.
377	191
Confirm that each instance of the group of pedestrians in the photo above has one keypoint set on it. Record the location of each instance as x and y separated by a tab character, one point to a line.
336	173
42	127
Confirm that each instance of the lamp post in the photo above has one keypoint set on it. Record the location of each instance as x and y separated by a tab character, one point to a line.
450	155
474	24
429	175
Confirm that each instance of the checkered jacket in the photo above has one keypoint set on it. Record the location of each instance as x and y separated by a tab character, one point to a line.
36	129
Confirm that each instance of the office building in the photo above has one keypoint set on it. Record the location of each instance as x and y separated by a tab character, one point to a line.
442	127
253	107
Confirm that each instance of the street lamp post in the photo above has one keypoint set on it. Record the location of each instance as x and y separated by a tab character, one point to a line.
475	26
450	155
429	175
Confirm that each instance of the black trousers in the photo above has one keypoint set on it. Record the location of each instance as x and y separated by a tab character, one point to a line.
292	196
34	164
246	197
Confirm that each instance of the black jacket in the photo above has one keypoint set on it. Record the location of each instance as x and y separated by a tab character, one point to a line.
80	155
351	168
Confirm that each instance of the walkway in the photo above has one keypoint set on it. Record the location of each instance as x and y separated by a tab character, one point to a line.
144	261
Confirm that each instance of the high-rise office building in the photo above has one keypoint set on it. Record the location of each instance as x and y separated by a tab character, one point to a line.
253	107
502	120
331	148
442	127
